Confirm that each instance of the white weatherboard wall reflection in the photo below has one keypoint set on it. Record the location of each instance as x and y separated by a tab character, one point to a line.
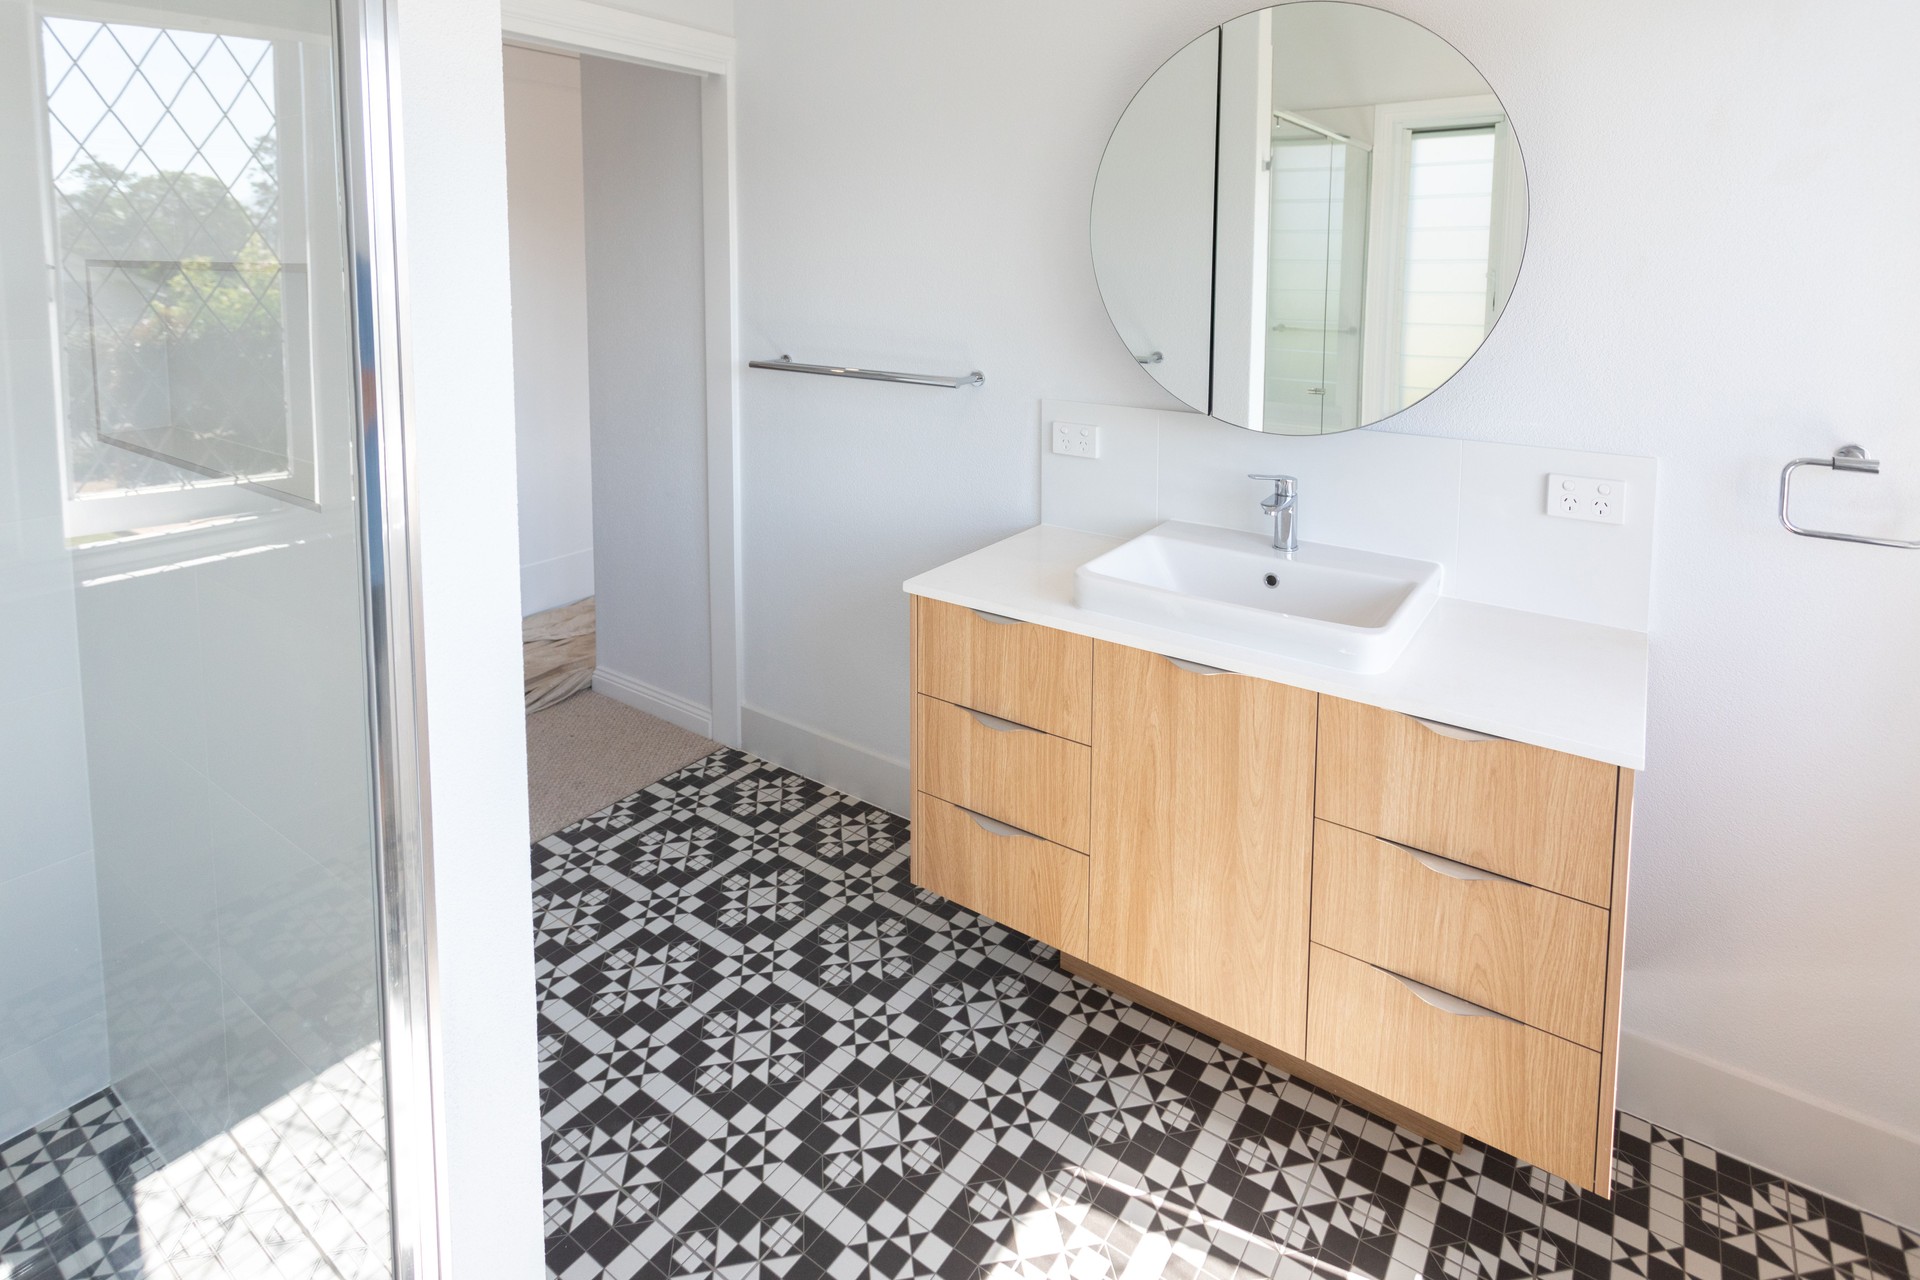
1445	305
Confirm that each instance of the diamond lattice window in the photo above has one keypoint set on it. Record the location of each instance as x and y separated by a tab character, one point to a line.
181	318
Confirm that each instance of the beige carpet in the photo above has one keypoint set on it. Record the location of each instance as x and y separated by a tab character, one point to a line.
590	751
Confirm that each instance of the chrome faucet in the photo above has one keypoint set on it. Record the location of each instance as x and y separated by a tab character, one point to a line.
1284	507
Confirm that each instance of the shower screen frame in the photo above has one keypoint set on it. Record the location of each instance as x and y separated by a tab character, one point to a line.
385	475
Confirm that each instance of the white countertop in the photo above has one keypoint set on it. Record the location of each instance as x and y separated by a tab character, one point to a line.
1569	686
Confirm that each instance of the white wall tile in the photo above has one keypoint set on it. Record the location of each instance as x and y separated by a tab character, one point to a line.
1372	490
39	644
37	1081
142	661
228	751
1513	554
1117	492
49	952
29	461
1475	507
296	941
287	731
43	783
151	828
166	1041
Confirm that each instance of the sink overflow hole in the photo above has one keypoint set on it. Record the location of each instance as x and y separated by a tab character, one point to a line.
1272	580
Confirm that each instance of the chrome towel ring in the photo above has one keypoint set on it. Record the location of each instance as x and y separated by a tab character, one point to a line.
1846	458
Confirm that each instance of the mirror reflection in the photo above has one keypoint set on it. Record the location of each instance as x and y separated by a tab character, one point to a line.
1309	218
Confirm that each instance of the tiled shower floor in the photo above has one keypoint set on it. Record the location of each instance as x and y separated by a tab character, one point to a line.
283	1195
764	1052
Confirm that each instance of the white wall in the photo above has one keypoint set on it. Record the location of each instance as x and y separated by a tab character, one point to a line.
646	337
708	15
1720	276
53	1034
547	232
460	380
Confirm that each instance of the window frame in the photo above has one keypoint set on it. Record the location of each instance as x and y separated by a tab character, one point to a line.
107	518
1395	123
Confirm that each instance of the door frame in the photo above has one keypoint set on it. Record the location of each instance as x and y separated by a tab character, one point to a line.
583	26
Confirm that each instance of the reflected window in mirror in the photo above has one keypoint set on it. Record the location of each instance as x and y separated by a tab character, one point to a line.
1445	305
1452	206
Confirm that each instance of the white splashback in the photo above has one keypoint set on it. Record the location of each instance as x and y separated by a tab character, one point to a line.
1475	507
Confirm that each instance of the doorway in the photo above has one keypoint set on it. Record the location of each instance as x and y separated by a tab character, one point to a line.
625	458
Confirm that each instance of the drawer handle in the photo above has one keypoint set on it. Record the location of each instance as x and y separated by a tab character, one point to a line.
998	725
1454	731
1196	668
993	826
1444	1001
1447	866
998	619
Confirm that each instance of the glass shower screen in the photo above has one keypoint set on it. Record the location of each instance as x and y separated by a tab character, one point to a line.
1316	280
193	1078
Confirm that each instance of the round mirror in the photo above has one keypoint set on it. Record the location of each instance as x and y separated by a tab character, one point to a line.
1309	218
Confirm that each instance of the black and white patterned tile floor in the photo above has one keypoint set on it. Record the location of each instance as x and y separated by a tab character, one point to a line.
291	1192
765	1053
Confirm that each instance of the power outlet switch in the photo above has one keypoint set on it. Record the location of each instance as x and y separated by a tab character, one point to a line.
1076	439
1587	498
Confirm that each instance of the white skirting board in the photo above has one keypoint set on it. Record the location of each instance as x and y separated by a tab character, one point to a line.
642	696
877	779
1836	1152
547	584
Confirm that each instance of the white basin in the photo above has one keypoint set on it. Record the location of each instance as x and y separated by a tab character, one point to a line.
1332	605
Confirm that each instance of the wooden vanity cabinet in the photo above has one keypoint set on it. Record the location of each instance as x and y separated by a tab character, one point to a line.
1203	818
1425	918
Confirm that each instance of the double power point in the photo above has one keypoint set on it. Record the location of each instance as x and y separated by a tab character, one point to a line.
1076	439
1587	498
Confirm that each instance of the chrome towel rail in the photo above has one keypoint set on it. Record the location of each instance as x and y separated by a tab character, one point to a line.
786	364
1846	458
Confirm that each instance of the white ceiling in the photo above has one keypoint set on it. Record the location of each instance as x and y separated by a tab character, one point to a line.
1346	55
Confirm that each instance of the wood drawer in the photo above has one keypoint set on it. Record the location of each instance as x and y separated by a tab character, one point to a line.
1541	816
1019	671
1032	780
1508	1084
1528	953
1027	883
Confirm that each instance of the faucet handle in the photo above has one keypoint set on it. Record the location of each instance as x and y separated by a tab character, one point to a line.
1281	483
